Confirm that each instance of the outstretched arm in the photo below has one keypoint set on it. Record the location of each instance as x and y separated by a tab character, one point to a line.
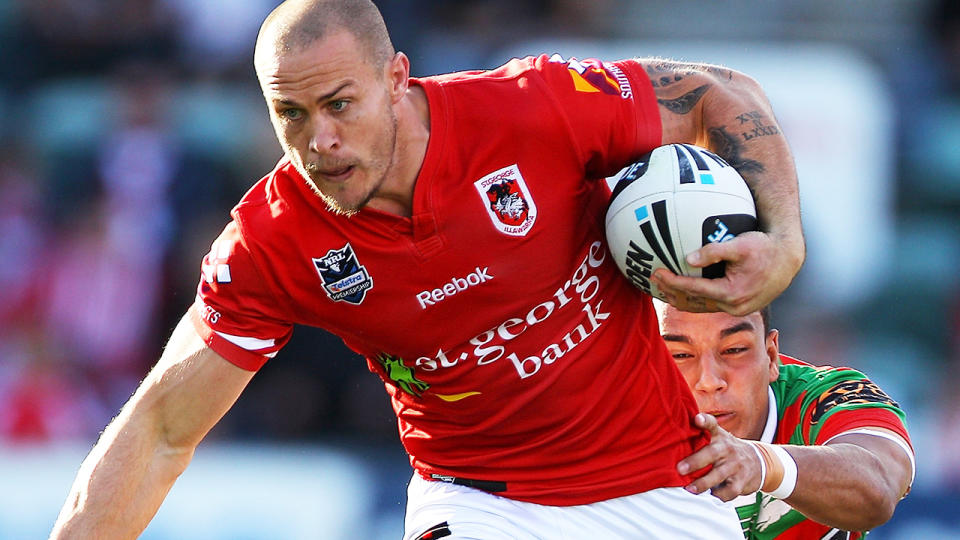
854	482
126	476
727	112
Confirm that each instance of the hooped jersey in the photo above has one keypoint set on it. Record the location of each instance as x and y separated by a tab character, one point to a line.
517	357
813	405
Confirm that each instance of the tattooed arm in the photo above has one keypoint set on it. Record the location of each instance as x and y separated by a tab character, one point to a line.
727	112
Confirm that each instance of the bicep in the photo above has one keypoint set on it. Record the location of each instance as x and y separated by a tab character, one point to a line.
890	449
189	389
696	101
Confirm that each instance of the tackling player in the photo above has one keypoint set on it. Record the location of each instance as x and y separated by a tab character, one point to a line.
833	453
450	229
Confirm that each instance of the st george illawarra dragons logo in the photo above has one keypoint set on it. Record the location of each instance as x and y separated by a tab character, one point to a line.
508	201
344	278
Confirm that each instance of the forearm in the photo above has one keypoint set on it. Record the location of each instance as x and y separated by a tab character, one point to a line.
739	125
121	483
845	486
853	482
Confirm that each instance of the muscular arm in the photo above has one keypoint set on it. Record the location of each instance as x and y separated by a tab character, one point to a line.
727	112
853	483
126	476
864	475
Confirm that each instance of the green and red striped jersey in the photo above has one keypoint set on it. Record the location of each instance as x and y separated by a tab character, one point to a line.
813	404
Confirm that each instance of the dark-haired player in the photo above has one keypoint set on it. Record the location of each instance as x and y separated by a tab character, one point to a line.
804	451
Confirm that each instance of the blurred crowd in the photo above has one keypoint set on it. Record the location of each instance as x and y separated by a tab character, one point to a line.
128	129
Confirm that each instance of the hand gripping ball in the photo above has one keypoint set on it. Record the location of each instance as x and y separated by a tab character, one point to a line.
675	200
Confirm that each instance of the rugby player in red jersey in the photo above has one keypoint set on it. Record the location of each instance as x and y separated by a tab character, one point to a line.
450	229
834	457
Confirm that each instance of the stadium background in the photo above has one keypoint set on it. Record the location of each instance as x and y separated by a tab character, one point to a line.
128	128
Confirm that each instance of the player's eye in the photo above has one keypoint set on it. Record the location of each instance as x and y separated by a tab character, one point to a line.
681	356
338	105
735	350
291	114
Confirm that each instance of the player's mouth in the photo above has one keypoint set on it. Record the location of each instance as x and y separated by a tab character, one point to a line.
723	417
338	175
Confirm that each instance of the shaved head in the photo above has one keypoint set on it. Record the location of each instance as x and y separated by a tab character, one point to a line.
296	24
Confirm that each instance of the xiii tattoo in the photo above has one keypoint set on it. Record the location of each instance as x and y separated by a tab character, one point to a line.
758	127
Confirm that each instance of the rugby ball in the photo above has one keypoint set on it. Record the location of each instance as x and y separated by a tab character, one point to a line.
673	201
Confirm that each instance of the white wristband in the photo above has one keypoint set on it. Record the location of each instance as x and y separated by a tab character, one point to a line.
763	465
789	482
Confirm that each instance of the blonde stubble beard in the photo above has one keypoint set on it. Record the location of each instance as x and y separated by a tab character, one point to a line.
308	170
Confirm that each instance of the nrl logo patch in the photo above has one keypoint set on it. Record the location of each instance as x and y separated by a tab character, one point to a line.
508	201
343	277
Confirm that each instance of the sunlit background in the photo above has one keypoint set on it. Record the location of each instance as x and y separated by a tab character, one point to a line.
128	128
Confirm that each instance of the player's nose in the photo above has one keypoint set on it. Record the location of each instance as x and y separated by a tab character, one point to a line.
710	377
324	136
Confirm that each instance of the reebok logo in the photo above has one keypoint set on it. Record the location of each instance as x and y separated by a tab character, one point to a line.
455	285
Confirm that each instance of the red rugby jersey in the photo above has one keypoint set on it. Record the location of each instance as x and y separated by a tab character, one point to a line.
514	351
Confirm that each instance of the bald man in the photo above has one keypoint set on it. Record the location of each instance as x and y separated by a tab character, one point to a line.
450	230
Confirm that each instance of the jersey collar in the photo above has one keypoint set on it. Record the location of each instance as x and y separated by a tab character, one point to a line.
771	428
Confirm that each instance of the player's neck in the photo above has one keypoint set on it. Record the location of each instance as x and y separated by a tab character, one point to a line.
413	135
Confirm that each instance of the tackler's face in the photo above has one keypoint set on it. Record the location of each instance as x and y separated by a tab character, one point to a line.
331	106
728	363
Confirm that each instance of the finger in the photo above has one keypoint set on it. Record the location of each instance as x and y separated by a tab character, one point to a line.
707	456
727	490
718	475
727	298
685	302
696	461
725	482
716	290
704	457
715	252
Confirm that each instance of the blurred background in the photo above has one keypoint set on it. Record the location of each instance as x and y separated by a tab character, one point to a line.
129	128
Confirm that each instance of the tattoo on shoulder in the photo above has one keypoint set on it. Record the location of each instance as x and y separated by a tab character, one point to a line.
663	81
756	125
730	148
686	102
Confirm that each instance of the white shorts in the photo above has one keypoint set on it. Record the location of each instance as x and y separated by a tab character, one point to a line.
442	510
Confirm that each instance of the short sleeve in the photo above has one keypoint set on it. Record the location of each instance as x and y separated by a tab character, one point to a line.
843	399
869	414
610	107
235	312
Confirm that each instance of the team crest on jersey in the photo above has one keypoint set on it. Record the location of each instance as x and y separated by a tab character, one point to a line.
508	201
344	278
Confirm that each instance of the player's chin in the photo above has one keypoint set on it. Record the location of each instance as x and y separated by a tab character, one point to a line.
343	206
346	202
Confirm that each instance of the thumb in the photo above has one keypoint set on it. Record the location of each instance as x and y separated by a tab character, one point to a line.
705	256
706	422
715	252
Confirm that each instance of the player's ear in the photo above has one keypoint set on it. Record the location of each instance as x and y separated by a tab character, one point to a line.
772	344
398	75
